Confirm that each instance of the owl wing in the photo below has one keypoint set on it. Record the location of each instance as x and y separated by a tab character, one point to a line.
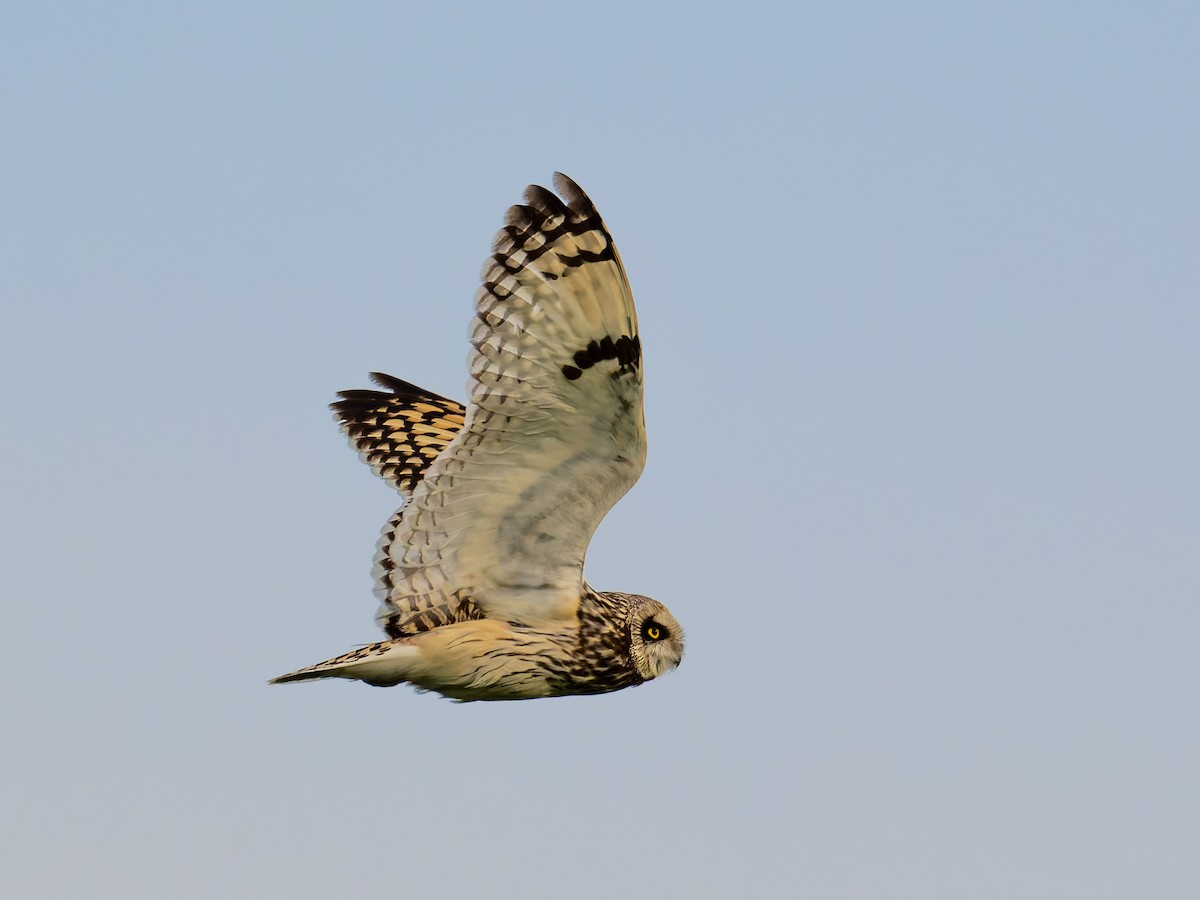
398	433
553	436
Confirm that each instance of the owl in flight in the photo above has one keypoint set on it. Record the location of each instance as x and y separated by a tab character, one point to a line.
480	571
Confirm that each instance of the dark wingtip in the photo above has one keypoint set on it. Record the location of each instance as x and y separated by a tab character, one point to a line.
397	385
542	200
355	398
569	190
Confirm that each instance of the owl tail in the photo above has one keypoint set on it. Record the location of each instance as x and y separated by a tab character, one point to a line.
383	664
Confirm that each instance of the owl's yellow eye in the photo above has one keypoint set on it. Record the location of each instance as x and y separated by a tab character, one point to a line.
652	631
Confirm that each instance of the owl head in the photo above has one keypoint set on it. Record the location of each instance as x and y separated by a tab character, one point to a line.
655	638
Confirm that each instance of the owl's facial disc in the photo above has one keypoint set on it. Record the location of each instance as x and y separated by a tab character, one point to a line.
656	640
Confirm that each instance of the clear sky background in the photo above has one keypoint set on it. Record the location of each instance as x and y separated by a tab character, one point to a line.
919	287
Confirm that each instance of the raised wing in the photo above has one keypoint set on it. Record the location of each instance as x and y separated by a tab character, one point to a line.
398	433
554	433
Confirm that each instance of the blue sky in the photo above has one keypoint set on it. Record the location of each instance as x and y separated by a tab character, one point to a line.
918	291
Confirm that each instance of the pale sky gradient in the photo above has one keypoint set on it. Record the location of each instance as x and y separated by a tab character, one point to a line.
920	300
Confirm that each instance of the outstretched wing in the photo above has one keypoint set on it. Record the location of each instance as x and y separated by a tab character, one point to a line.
554	432
398	433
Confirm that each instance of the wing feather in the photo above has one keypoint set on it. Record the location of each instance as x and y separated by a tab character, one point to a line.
398	433
553	433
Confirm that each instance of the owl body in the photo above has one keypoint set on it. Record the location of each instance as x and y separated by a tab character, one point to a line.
480	571
605	649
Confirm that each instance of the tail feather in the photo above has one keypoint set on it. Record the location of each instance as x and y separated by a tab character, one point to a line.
383	664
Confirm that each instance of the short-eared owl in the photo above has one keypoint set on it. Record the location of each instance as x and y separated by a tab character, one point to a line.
481	570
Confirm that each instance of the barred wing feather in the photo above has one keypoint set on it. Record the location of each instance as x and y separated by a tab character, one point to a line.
553	433
398	433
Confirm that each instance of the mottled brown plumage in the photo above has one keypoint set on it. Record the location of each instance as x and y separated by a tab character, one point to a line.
480	571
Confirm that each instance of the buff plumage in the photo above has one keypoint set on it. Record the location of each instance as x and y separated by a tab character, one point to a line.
479	572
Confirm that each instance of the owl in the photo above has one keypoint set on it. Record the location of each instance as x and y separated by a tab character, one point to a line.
480	571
